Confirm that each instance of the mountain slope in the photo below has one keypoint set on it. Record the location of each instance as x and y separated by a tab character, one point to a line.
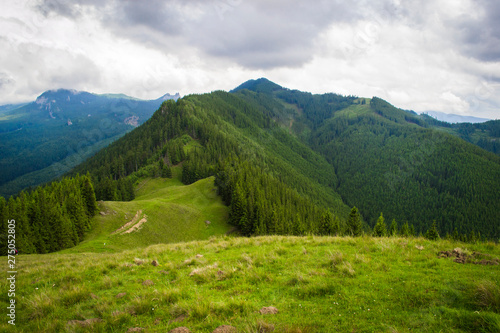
391	161
32	151
170	212
282	185
318	152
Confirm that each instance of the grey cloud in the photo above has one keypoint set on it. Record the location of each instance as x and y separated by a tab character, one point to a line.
481	36
261	34
34	68
70	9
5	80
254	34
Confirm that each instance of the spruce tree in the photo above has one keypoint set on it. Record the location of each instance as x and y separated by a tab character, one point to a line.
89	196
412	230
432	233
354	226
393	229
405	230
326	223
380	229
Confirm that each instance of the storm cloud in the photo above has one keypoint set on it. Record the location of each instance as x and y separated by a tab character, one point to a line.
419	55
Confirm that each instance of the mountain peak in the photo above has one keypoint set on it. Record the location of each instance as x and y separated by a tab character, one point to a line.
259	85
168	96
60	95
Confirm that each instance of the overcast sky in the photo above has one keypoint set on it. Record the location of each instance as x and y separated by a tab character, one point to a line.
441	55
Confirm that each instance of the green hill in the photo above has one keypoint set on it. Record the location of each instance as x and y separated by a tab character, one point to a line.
170	212
317	284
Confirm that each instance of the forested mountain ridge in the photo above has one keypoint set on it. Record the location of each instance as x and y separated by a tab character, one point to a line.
272	182
393	161
317	152
42	140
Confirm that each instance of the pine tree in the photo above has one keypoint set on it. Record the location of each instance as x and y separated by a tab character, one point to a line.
472	237
380	229
405	230
393	229
89	196
412	230
237	207
432	233
354	226
326	223
336	226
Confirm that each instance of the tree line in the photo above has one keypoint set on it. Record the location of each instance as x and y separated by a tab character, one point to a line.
49	218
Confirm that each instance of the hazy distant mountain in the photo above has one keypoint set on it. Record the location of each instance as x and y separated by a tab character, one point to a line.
454	118
60	129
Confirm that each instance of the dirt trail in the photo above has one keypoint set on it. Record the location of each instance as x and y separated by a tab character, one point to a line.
132	225
137	226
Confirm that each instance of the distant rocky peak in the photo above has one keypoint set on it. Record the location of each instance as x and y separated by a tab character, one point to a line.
169	96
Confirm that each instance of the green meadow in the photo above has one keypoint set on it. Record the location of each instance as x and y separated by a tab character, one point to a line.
174	213
317	284
175	270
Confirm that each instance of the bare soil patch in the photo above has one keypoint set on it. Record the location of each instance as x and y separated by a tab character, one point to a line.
476	258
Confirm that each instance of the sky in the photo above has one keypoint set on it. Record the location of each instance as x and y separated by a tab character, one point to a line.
421	55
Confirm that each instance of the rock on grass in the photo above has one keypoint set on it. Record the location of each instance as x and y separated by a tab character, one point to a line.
268	310
180	330
148	283
85	323
225	329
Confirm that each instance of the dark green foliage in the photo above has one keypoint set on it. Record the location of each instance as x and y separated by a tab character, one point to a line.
50	218
261	204
354	224
420	174
432	233
374	155
485	135
88	196
329	224
405	230
166	171
380	229
393	229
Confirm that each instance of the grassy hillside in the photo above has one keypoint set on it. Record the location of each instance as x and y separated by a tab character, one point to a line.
173	212
317	284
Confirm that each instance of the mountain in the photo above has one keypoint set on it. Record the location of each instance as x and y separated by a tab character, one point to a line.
8	107
454	118
282	157
44	139
273	163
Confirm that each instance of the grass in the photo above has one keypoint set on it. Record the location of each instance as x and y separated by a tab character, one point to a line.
174	213
355	110
318	284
